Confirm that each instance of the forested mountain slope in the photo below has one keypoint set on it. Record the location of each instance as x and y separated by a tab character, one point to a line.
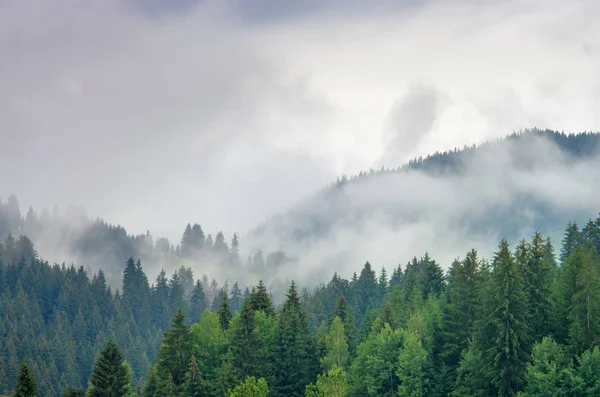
416	331
446	202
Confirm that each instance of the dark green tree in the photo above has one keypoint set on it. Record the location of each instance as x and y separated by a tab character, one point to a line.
508	321
224	312
572	238
110	377
197	302
174	354
461	307
246	348
193	380
26	385
294	356
261	300
343	311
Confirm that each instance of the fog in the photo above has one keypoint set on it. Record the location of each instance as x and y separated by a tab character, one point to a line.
153	114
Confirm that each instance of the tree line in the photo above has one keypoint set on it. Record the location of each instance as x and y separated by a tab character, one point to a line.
521	324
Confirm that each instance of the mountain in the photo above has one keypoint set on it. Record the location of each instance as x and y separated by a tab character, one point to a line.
527	181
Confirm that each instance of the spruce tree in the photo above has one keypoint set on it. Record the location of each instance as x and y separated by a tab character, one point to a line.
109	375
197	302
174	354
572	238
294	353
461	307
237	298
224	312
246	347
193	386
343	311
261	300
508	320
26	385
584	313
537	277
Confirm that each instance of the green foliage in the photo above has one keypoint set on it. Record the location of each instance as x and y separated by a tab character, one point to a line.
336	346
224	312
294	348
584	312
508	325
26	386
478	330
374	371
251	388
333	383
246	349
174	354
551	371
412	363
110	376
461	307
588	373
194	385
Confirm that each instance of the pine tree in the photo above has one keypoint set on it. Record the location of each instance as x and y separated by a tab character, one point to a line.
236	298
246	347
508	319
537	277
382	282
572	238
293	356
26	385
224	312
342	310
174	354
461	307
193	386
197	302
187	242
109	375
411	371
584	313
261	300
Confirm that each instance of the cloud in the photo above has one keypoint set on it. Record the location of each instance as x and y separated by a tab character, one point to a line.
154	114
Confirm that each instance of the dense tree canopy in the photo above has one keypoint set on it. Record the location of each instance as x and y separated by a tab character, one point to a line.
523	324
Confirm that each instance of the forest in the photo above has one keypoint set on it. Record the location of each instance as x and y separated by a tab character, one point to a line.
523	323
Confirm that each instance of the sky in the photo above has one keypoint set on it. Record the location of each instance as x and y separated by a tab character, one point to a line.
153	114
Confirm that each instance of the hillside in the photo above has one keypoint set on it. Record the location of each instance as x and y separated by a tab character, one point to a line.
532	180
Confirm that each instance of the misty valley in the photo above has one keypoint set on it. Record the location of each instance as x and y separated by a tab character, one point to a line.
326	298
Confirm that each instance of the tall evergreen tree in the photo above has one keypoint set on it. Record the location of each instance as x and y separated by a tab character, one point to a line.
343	311
572	238
509	324
193	386
246	346
261	300
295	351
174	354
197	301
537	277
109	375
237	298
584	313
224	312
26	385
461	307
